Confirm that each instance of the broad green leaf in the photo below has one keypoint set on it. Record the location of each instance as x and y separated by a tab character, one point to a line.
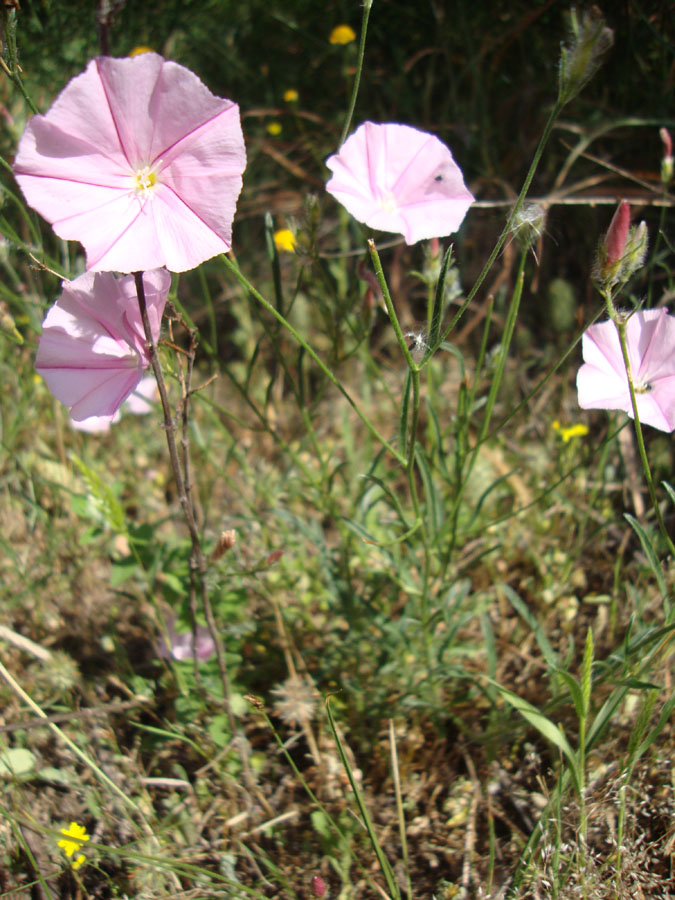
16	762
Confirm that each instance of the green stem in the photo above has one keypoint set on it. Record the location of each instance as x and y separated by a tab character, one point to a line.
100	774
243	280
555	112
382	281
509	328
409	461
12	70
359	68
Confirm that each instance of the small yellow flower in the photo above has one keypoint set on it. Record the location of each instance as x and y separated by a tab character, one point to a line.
291	95
274	128
567	433
141	49
284	240
342	34
75	836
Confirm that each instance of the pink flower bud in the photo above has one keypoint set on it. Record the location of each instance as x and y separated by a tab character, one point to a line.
318	887
617	234
664	134
622	251
667	161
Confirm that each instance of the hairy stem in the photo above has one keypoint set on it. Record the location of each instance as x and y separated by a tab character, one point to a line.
197	563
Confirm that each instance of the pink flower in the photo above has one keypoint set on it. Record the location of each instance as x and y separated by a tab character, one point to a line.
138	161
95	424
92	352
138	402
184	646
602	382
396	178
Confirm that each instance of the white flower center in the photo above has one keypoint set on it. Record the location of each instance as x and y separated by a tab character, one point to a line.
144	181
388	204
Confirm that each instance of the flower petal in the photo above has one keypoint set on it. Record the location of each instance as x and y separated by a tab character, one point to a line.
141	401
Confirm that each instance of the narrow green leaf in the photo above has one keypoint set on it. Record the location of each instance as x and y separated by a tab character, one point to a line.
650	553
670	490
432	500
586	670
574	689
664	718
526	614
439	297
381	858
405	408
545	727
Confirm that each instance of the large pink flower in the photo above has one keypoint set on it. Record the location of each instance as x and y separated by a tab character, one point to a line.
602	382
396	178
92	352
138	161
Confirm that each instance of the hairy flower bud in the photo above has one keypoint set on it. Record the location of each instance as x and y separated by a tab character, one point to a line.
617	234
622	251
590	39
318	887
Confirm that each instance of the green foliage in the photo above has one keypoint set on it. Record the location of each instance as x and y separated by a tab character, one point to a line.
414	538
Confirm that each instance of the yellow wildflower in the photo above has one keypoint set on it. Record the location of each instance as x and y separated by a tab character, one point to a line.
291	95
274	128
342	34
570	431
284	240
141	49
75	836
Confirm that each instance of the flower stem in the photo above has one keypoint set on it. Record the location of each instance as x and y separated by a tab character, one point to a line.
555	112
197	564
243	280
409	451
359	68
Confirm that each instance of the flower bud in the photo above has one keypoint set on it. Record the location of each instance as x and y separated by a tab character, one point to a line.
226	542
318	887
623	250
667	160
590	39
617	234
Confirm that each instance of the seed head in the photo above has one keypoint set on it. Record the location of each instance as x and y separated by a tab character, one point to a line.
590	40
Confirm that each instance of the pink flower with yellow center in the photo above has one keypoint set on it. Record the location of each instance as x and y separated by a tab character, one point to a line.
138	161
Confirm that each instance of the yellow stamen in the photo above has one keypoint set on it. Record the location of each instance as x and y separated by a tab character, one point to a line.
144	181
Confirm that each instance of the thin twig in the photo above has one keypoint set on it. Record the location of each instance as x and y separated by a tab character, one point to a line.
197	562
